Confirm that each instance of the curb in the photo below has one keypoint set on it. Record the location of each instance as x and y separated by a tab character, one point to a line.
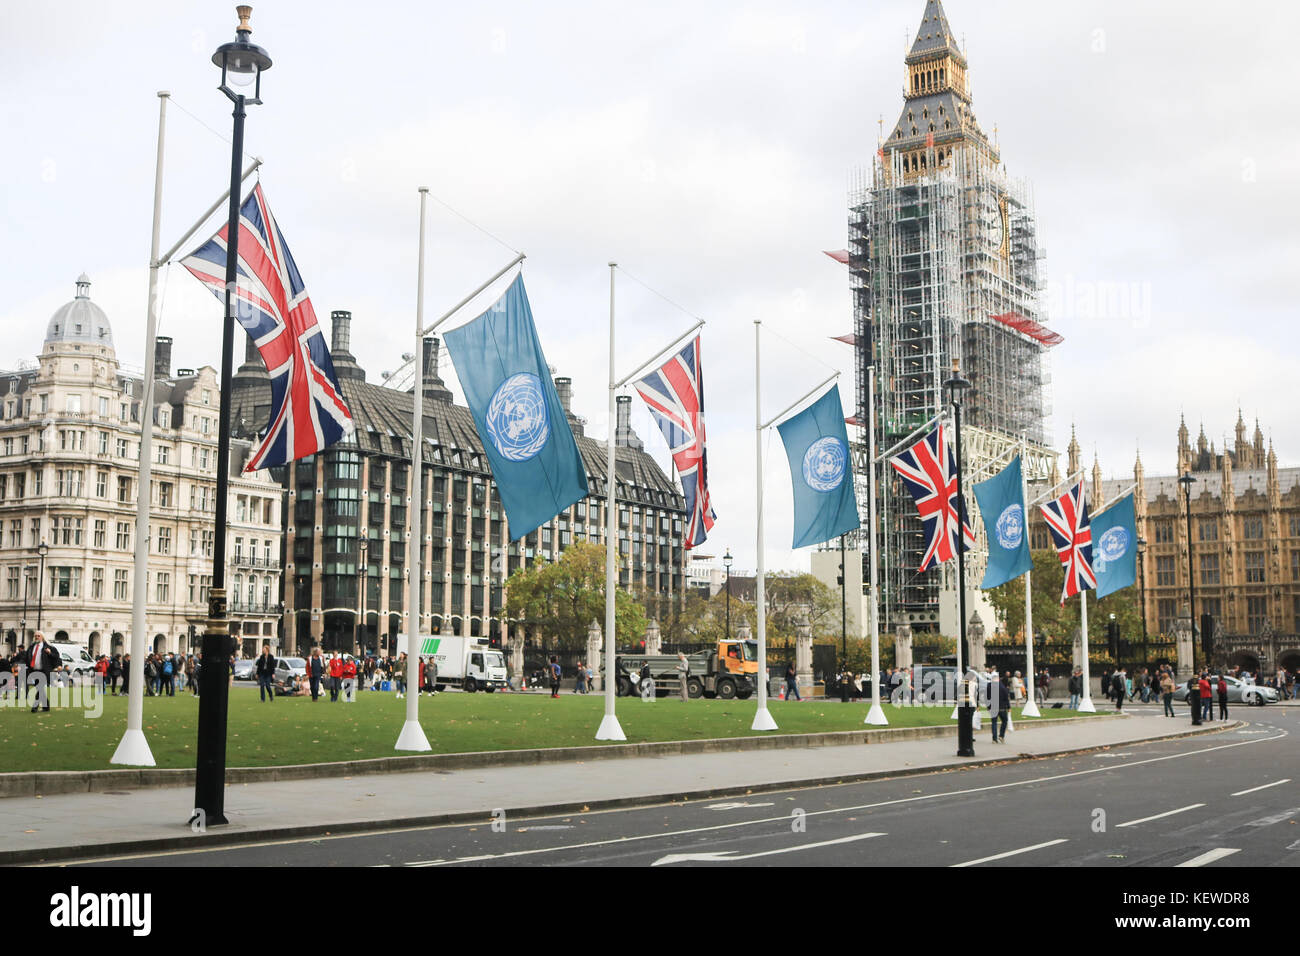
52	783
233	837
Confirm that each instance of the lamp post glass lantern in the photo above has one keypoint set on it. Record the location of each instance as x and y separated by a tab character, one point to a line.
43	550
242	64
726	563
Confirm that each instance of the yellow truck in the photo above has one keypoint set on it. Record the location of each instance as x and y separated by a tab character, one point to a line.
727	671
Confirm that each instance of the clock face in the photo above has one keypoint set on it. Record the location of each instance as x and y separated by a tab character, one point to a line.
1000	230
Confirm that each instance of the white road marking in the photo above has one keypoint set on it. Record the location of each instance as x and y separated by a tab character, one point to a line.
1160	816
736	806
1278	783
1003	856
1210	857
730	856
1275	818
655	836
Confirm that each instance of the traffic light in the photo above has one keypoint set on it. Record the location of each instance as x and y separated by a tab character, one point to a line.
1207	635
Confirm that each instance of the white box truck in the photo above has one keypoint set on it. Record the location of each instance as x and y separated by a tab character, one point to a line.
464	662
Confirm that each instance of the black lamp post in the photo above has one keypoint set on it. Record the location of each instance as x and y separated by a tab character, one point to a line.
242	64
362	569
1187	481
1142	583
965	708
27	579
844	626
726	563
43	549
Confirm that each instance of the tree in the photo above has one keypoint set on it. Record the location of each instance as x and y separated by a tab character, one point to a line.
564	597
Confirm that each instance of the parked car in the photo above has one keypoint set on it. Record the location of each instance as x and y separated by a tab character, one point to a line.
246	668
76	659
1239	692
289	667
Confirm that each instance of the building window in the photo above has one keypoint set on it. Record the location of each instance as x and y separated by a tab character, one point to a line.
1295	565
1209	569
164	540
1256	613
1164	532
1209	530
11	581
1166	609
65	582
119	585
1294	523
123	490
1252	527
1254	567
123	536
165	496
1165	571
97	584
100	533
67	531
164	587
101	484
103	443
121	448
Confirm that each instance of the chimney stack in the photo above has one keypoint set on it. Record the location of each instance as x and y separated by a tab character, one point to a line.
623	434
433	387
341	327
162	357
564	386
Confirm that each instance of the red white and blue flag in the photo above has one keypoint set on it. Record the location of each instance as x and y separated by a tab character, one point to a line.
675	394
308	412
930	472
1067	519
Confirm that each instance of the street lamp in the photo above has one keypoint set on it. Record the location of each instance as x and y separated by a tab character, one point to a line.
1187	481
965	710
726	563
27	579
242	64
362	569
1142	584
43	549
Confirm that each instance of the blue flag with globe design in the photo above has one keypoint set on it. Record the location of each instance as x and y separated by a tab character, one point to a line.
517	412
817	445
1002	506
1114	547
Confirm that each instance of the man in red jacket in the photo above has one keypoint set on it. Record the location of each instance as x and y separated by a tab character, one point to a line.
349	680
336	676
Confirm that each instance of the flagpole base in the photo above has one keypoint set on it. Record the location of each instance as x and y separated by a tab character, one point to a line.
876	716
610	729
1086	706
763	720
954	714
412	737
134	750
1030	710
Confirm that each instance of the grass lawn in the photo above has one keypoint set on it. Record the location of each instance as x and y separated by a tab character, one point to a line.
294	730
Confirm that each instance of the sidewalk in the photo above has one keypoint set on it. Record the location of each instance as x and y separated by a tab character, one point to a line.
74	826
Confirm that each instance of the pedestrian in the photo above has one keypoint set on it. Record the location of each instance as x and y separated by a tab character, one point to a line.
1119	689
556	673
1018	686
399	675
1194	698
431	675
1207	697
336	676
168	682
1002	709
791	683
114	672
580	681
1167	692
591	680
265	669
152	682
349	674
1223	698
1075	685
126	673
683	669
45	660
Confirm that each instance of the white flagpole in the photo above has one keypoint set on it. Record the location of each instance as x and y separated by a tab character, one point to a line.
1031	706
762	717
134	748
1085	705
610	729
412	736
961	670
876	715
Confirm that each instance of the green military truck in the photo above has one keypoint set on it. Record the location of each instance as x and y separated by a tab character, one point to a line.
728	671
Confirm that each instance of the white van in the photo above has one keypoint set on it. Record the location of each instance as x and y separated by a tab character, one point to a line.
76	659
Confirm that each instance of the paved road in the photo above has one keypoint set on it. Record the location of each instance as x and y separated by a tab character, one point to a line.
1222	800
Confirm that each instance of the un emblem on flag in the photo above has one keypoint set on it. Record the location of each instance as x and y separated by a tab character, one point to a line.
1113	544
824	464
516	417
1010	528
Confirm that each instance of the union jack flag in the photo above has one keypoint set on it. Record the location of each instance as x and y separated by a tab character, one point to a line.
308	412
675	394
1067	519
930	473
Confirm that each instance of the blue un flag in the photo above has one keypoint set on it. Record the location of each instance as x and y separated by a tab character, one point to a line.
1114	547
817	445
517	412
1002	506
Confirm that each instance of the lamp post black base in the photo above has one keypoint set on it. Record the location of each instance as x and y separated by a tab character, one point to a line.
965	730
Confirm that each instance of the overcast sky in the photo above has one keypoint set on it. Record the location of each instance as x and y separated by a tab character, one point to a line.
709	149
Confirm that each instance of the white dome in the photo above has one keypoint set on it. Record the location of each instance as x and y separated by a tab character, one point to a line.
80	321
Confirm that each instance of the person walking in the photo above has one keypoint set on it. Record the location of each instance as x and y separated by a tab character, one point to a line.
44	660
683	670
399	675
114	672
580	681
1076	688
348	671
1119	689
336	676
1223	698
1207	697
1167	692
1002	713
556	672
265	669
315	672
791	683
